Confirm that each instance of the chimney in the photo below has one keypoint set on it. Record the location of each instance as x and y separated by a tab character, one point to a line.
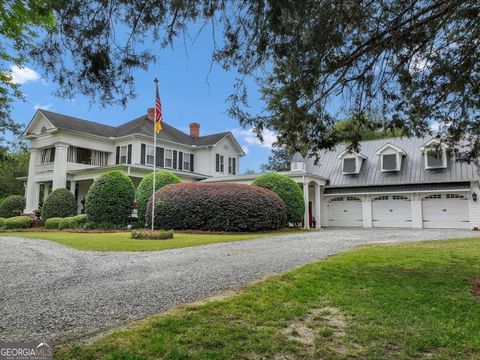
150	114
195	130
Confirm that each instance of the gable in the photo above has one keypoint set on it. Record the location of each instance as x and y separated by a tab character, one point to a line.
38	125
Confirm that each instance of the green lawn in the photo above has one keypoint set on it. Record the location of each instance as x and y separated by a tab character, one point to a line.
120	241
407	301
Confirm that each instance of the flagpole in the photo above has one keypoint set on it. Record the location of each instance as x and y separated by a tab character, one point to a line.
154	155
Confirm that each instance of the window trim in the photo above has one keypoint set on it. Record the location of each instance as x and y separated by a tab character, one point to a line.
221	163
148	146
444	159
165	158
355	158
123	147
185	156
398	161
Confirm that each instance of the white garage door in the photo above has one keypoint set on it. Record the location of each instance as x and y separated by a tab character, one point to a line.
445	211
392	211
345	211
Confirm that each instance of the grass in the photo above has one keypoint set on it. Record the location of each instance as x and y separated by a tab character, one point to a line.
409	301
121	241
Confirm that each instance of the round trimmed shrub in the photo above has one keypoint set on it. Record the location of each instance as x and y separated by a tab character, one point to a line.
53	223
217	207
60	203
110	199
289	192
17	222
144	190
12	206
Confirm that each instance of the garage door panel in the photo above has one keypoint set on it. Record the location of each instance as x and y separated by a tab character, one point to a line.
345	211
445	211
392	211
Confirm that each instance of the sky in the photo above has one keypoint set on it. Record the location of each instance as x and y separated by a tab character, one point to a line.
189	90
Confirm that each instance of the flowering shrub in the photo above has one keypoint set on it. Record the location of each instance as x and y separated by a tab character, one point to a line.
217	207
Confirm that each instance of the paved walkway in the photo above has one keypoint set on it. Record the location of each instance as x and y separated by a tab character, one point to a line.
52	293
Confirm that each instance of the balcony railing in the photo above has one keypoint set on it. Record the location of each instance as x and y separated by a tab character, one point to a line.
46	168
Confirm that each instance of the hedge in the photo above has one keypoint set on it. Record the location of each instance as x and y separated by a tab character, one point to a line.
152	235
110	199
53	223
65	223
2	221
60	203
217	207
289	192
144	190
17	222
13	205
79	221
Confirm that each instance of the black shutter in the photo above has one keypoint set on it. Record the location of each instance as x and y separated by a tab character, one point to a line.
174	159
117	161
180	160
191	162
234	166
159	155
142	153
129	160
217	163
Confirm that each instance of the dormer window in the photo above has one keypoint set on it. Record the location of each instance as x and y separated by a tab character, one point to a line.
435	155
351	162
391	158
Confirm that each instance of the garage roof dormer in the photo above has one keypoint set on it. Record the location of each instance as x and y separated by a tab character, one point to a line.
351	162
391	157
435	153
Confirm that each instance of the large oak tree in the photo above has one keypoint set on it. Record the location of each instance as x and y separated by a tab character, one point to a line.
409	64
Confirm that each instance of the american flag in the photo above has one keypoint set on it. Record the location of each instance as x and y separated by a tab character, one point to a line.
158	111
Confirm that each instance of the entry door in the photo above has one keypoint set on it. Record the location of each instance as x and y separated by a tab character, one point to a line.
345	211
445	211
392	211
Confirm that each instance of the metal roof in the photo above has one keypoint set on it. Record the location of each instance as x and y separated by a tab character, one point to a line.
412	169
397	188
140	125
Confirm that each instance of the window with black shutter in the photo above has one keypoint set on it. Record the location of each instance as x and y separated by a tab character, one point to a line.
117	157
180	160
192	163
160	153
234	161
217	163
174	165
129	161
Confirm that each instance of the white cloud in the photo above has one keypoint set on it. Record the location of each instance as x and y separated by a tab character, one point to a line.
23	75
43	107
248	136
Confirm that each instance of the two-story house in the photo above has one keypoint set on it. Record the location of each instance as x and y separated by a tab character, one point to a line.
67	152
399	182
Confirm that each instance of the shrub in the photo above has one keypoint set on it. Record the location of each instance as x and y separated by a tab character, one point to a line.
217	207
65	223
60	203
17	222
12	206
289	192
79	221
110	199
144	190
152	235
53	223
2	221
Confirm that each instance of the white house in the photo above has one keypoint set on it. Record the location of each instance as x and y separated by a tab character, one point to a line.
399	182
68	152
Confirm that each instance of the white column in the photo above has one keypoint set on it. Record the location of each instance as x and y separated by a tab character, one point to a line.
417	211
306	223
318	211
32	191
46	190
73	184
60	166
367	211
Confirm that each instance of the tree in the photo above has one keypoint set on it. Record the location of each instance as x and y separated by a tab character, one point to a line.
412	62
278	160
13	165
20	23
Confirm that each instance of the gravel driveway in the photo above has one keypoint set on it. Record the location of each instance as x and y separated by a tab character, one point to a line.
52	293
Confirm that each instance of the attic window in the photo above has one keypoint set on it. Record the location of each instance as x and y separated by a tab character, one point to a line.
349	165
435	154
389	162
434	159
391	157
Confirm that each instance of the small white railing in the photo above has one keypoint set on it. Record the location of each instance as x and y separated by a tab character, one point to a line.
44	168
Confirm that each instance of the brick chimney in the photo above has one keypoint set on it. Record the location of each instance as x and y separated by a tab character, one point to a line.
150	114
195	130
